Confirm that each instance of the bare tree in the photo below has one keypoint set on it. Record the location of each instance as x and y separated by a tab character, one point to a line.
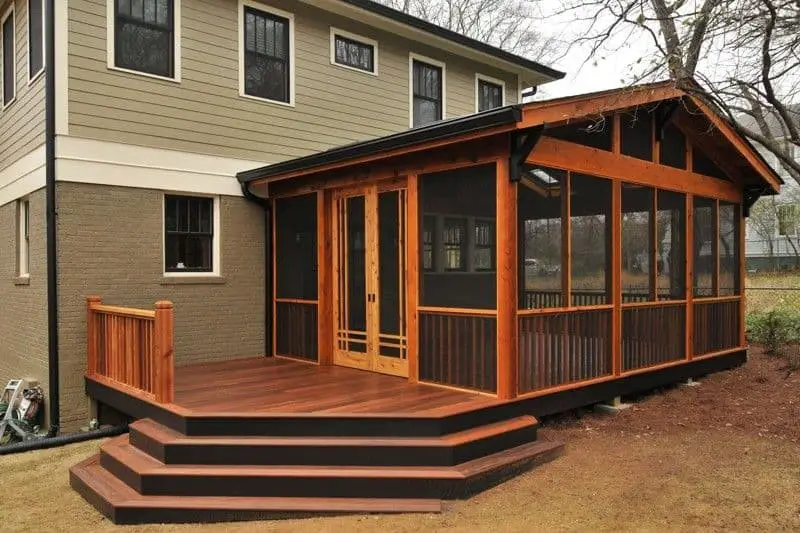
742	56
508	24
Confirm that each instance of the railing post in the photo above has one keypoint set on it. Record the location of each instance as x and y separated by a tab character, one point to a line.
164	352
91	335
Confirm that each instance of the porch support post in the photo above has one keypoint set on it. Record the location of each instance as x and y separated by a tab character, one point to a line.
739	285
506	283
412	276
324	279
689	275
91	335
164	353
616	273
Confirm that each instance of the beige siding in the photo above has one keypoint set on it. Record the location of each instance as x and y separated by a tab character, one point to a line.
23	315
22	122
110	245
204	112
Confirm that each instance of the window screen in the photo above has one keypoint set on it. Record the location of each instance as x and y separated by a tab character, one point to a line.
9	70
144	36
427	93
637	242
673	147
728	249
355	54
540	198
636	137
189	227
704	246
266	55
296	247
490	95
671	246
702	164
35	38
596	133
458	257
590	225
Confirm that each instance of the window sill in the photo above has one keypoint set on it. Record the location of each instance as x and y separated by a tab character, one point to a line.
193	280
36	77
263	100
22	281
355	69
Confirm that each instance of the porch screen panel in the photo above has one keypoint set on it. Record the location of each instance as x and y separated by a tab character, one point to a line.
704	229
729	282
671	246
458	219
590	233
295	250
540	197
637	242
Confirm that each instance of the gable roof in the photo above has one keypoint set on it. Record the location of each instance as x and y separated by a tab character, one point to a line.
720	133
532	71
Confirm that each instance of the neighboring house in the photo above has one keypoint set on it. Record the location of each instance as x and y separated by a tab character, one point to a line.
773	230
122	143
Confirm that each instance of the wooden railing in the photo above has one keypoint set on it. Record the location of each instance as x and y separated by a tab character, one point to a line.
554	298
132	347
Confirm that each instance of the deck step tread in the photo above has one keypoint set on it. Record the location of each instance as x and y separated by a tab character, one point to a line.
168	436
540	448
116	493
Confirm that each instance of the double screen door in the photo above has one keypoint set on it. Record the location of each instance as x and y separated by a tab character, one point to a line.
369	261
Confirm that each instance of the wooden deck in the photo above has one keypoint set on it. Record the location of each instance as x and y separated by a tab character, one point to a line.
279	385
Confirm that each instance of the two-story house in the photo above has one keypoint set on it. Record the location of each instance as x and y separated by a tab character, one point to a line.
122	127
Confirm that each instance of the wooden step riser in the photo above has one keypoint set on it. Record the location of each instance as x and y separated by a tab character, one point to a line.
331	454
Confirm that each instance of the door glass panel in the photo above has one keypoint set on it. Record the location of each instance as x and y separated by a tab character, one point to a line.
391	271
356	274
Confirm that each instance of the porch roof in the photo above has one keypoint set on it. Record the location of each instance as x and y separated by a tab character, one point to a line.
710	128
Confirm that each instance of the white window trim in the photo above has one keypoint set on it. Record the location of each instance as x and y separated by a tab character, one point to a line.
23	252
8	13
110	23
280	13
40	72
424	59
358	38
216	248
481	77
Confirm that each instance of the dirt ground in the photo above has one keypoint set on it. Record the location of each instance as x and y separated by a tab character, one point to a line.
724	456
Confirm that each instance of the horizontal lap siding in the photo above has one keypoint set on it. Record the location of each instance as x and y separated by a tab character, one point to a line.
22	123
204	112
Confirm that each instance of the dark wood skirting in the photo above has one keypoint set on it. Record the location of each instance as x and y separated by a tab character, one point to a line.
296	328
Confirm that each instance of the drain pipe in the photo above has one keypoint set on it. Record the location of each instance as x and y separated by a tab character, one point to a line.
50	191
53	442
268	244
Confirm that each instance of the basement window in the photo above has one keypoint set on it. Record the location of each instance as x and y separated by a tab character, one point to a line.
191	235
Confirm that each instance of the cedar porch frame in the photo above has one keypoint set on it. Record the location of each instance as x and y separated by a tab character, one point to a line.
493	145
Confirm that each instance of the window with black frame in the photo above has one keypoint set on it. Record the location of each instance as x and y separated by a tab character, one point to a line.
9	67
267	68
454	243
483	254
427	93
428	243
189	234
490	95
353	53
144	36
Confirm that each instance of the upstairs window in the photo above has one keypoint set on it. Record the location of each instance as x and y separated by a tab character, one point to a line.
427	93
490	94
144	36
267	56
351	51
35	38
189	234
9	43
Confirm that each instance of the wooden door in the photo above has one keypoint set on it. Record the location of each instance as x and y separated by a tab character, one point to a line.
369	265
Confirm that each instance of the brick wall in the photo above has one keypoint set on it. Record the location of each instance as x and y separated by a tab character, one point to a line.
23	307
110	245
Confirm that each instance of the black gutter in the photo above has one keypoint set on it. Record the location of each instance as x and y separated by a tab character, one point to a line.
50	191
463	40
268	244
53	442
501	116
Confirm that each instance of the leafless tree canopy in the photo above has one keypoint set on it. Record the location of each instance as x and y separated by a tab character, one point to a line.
507	24
744	54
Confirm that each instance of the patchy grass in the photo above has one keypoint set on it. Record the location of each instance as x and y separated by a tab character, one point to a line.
772	290
718	457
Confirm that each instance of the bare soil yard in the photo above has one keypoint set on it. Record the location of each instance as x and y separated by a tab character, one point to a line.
724	456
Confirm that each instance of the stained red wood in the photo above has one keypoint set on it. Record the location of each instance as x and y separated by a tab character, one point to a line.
278	385
506	283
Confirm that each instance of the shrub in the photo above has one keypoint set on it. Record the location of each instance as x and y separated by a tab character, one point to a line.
774	329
